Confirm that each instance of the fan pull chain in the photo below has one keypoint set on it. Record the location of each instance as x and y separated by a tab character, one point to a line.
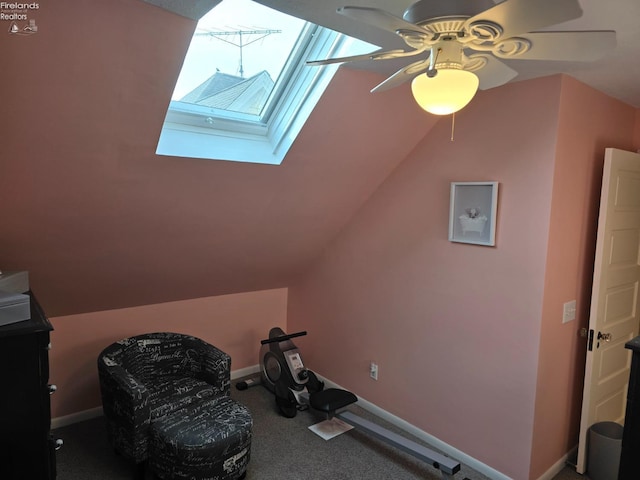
453	124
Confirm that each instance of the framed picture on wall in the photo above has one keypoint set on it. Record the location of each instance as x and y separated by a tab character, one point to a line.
472	212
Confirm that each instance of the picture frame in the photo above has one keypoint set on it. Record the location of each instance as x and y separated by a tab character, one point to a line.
472	212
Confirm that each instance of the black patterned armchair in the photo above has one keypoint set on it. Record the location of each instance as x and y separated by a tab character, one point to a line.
147	377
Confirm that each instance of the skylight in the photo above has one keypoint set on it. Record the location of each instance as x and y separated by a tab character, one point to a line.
244	91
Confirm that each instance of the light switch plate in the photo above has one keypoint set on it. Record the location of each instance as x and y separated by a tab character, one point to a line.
569	311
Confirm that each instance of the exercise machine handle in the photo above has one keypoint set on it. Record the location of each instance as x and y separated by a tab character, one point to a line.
282	338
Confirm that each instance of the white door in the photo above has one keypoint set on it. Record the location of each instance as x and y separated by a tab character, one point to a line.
614	317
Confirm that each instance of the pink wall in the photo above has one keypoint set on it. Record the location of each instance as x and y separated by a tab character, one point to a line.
454	327
234	323
589	122
101	222
636	136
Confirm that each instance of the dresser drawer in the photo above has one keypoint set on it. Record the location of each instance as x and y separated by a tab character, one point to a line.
27	451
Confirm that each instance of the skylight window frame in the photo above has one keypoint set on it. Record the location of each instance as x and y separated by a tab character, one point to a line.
296	57
199	131
203	116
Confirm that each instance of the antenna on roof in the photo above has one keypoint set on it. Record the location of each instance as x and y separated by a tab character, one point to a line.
240	33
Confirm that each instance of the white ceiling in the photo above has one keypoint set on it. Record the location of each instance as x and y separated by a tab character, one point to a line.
618	74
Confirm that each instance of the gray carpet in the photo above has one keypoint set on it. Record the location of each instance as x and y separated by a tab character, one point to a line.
282	449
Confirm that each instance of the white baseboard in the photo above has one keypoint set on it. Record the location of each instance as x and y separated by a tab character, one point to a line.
370	407
65	420
426	437
243	372
415	431
557	467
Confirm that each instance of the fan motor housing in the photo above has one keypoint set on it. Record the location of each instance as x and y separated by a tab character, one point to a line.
424	11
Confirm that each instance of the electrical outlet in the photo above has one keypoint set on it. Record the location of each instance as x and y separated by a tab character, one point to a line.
373	371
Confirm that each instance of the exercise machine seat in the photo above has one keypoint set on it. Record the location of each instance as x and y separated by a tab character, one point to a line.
331	399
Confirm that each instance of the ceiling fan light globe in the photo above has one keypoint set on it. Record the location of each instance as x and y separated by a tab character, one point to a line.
446	93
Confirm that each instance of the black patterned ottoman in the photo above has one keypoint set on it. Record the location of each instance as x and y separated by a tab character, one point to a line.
210	440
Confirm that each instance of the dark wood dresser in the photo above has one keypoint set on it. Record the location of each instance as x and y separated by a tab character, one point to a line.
27	449
631	436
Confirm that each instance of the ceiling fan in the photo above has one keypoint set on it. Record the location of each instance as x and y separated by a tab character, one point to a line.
459	44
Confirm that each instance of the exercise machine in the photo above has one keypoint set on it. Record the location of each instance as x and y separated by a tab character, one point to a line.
296	388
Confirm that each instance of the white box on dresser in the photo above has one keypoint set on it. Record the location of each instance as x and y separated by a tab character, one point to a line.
14	282
14	307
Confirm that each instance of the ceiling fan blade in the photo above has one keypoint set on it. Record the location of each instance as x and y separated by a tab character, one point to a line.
570	46
379	18
403	75
517	17
377	55
494	73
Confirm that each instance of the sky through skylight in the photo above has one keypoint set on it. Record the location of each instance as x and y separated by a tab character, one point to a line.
208	54
225	117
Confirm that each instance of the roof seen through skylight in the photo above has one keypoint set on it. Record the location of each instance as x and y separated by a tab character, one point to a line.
245	91
232	48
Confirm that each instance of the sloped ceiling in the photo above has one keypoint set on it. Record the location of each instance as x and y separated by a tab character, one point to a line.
101	222
193	9
618	74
